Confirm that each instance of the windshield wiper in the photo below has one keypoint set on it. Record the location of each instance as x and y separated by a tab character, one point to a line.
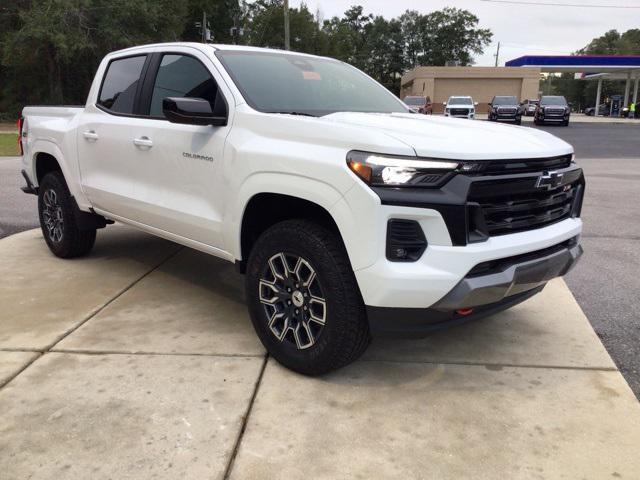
294	113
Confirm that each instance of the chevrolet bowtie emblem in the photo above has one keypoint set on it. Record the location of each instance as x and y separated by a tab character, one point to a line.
549	180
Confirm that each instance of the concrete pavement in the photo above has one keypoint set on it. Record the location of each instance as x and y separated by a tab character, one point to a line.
139	361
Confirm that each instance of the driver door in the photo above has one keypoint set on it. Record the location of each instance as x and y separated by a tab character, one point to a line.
178	184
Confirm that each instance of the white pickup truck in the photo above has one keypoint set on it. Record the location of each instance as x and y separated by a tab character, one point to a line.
351	216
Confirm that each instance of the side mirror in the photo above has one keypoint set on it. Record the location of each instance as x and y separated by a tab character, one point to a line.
444	104
191	111
475	104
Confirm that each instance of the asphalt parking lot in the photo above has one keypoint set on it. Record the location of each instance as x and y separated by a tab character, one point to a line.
605	282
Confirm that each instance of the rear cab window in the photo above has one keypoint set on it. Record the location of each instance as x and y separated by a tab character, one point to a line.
120	84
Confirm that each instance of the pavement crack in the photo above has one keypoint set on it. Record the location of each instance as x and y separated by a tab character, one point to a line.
245	420
113	299
75	351
89	317
10	378
493	365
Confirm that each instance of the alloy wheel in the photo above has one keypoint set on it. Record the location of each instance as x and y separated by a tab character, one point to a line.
294	304
52	215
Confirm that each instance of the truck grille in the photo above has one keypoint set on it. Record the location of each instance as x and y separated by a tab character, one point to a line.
525	210
556	112
506	111
523	165
459	111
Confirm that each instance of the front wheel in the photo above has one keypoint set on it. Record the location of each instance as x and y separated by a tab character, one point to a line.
304	300
58	221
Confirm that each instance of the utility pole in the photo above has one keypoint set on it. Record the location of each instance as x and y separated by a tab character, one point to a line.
286	25
204	27
497	54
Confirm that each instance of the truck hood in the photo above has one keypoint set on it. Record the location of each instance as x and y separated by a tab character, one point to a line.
442	137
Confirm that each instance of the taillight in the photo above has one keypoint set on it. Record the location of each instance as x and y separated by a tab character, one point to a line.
19	124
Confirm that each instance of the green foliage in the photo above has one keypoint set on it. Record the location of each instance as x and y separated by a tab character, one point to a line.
8	144
50	49
614	43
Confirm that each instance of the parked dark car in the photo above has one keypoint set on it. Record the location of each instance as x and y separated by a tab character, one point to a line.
505	109
552	109
419	104
529	107
603	110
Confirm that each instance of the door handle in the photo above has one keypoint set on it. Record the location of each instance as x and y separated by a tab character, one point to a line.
90	135
143	142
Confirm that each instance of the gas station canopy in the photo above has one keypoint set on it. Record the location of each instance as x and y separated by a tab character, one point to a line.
593	67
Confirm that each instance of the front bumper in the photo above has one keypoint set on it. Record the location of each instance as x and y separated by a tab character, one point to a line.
503	284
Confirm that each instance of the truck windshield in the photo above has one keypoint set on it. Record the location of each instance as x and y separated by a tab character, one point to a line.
552	100
298	84
460	100
415	100
505	101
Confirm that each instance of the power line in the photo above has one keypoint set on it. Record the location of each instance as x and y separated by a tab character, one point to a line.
552	4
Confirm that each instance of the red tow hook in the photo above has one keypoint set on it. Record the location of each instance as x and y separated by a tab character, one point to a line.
464	311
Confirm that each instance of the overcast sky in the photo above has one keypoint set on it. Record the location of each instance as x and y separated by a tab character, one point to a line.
522	30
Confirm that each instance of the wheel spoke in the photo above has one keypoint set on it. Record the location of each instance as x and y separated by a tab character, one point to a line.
269	293
296	336
307	329
274	270
318	310
276	317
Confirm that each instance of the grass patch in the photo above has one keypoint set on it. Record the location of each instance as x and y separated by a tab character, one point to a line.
9	145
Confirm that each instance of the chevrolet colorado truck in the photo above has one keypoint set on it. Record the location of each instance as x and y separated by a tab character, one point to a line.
349	215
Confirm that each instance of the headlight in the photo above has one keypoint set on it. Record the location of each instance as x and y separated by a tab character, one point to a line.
446	110
394	171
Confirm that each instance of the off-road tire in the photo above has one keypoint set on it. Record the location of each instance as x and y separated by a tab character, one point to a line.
71	242
345	333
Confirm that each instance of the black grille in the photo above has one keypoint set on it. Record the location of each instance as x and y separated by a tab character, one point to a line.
459	111
506	111
554	111
506	210
501	264
405	240
526	165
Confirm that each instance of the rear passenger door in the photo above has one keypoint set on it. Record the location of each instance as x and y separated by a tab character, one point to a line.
105	147
178	182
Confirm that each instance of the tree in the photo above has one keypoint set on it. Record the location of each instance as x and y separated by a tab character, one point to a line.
450	34
50	49
55	46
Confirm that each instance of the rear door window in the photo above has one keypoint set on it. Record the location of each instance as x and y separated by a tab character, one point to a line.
183	76
120	84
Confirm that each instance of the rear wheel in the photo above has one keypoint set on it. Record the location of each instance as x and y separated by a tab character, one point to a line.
303	298
58	221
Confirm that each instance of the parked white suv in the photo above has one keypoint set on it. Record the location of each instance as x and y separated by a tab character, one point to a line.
460	107
349	215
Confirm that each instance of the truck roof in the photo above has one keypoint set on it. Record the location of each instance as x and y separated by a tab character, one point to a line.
214	46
